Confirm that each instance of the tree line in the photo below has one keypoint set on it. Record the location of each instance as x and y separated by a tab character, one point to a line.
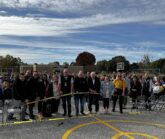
88	59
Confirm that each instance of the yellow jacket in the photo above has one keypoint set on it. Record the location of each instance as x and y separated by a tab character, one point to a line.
119	84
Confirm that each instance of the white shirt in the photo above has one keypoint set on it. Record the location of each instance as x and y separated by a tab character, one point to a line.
56	91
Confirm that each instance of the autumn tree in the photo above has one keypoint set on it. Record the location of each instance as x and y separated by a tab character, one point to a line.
85	59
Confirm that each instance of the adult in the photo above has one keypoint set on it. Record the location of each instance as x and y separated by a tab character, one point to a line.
119	91
54	91
80	86
106	92
94	92
66	87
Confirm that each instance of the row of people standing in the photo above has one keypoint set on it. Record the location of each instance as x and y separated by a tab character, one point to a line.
28	88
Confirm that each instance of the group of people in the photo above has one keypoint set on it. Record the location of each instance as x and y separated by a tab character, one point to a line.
28	88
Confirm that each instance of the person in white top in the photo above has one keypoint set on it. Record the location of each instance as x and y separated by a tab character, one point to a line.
54	91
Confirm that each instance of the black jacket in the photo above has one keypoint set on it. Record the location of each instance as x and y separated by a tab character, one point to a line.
95	86
8	93
19	89
80	85
50	90
66	84
32	88
135	88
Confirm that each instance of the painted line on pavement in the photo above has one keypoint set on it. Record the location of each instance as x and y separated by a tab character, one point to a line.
71	130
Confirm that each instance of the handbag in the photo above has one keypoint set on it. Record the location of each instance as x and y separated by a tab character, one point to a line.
156	89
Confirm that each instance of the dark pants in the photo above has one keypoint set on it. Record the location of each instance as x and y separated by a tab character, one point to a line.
93	99
106	103
125	98
31	106
77	99
67	100
55	104
40	106
120	103
147	101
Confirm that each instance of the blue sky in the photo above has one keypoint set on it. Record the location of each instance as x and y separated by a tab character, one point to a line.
43	31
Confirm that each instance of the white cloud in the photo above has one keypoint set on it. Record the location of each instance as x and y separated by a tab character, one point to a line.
97	13
34	15
53	5
26	26
3	13
63	52
84	14
89	6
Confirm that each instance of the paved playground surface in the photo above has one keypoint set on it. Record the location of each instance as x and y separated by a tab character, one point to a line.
129	125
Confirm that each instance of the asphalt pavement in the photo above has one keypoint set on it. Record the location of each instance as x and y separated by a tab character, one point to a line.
112	125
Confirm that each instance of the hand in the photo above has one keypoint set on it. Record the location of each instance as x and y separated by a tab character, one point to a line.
45	98
26	101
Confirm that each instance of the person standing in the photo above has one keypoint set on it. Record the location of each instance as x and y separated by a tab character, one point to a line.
32	92
125	97
20	94
119	91
147	90
106	92
54	91
66	87
135	90
94	92
80	86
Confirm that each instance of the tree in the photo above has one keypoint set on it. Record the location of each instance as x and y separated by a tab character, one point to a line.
85	59
55	63
145	61
102	65
65	64
73	64
159	64
134	66
113	63
9	61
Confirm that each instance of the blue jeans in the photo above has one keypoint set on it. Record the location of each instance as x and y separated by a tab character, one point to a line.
76	100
